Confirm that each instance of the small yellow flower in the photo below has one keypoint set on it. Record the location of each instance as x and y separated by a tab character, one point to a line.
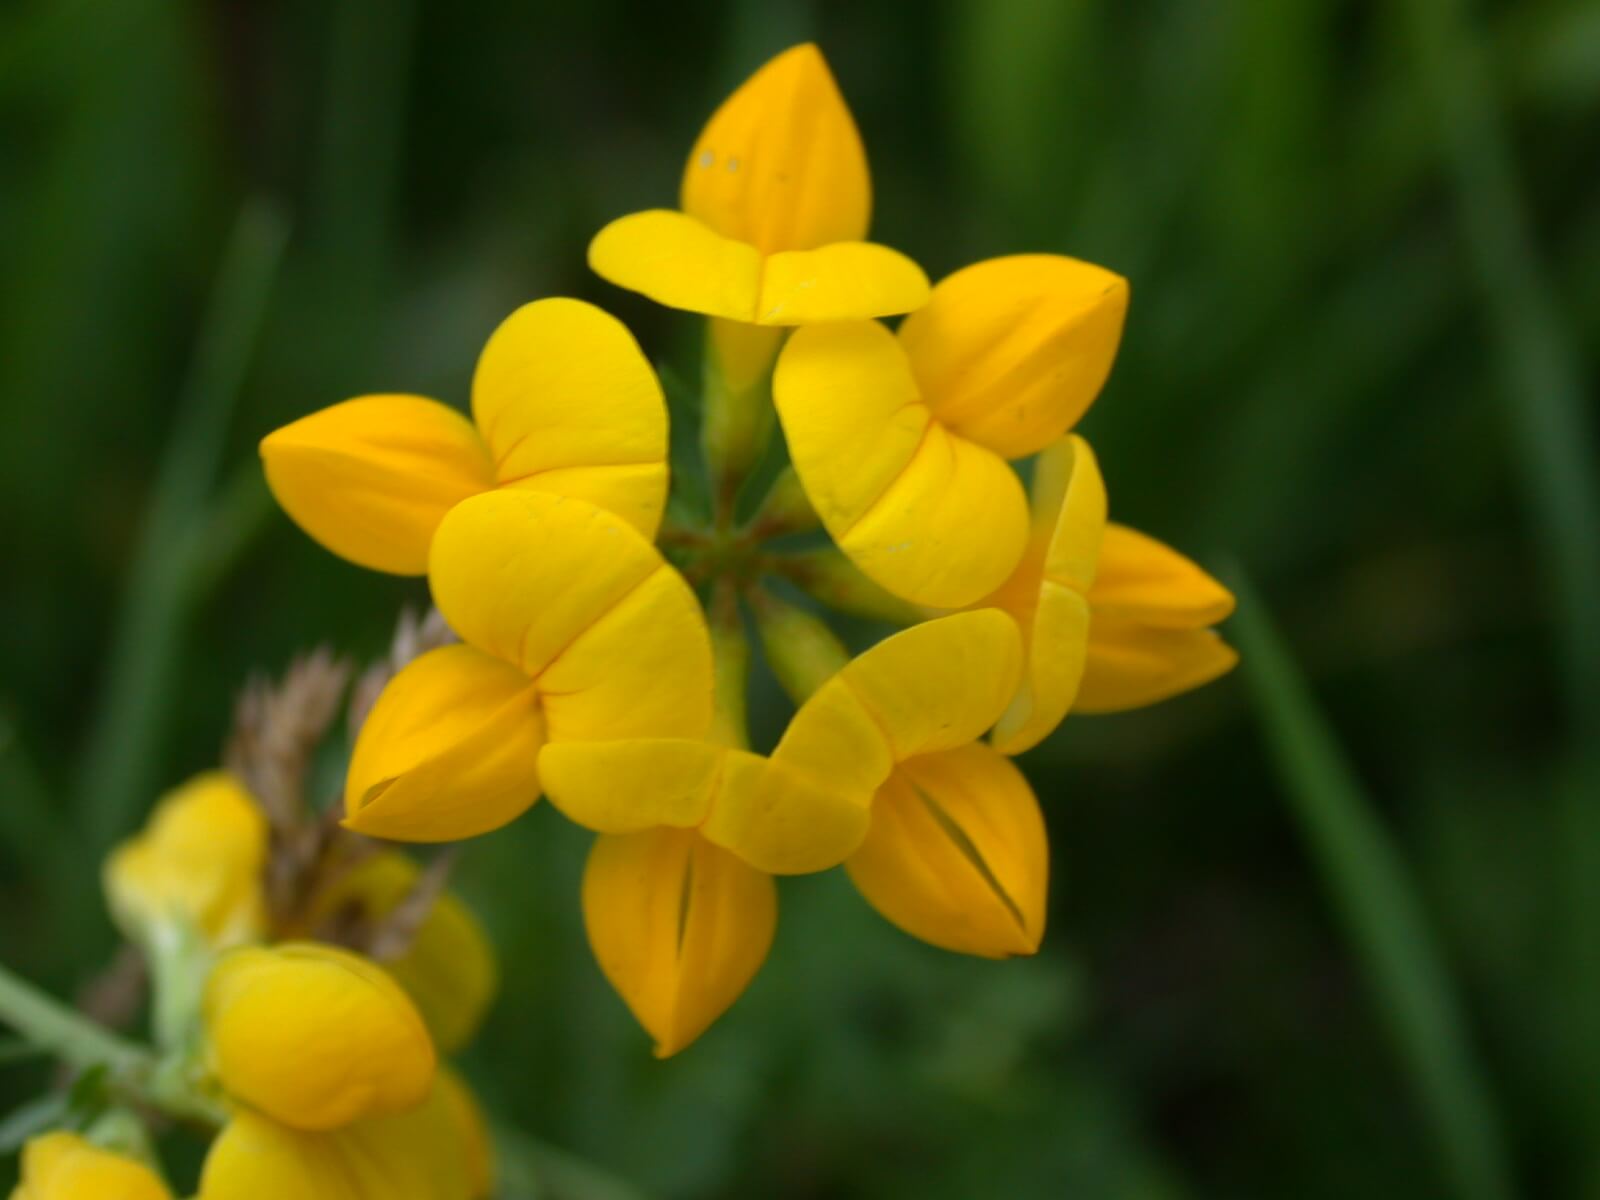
1151	610
315	1037
573	629
880	767
449	968
902	440
425	1153
775	203
679	927
563	402
63	1166
199	859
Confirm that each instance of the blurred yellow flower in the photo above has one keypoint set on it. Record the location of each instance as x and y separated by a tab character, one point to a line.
63	1166
449	968
425	1153
563	402
901	440
573	628
315	1037
775	203
199	859
1150	636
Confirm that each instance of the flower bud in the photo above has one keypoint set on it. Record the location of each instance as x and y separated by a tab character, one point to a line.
314	1036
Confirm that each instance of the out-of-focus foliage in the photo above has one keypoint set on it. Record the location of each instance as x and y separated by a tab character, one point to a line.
1309	386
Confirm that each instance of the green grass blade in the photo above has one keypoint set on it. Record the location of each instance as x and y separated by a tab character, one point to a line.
1379	909
123	743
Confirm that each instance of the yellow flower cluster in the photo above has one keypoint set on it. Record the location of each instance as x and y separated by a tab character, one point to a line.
586	669
327	1064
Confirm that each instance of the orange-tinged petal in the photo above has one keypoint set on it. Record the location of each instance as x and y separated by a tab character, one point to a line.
568	404
371	478
780	164
678	926
417	1155
1010	352
844	281
1046	595
1131	663
314	1036
577	599
449	751
199	859
448	969
64	1166
957	854
1141	578
931	517
679	262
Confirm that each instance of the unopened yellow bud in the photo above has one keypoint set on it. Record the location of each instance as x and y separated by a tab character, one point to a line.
199	859
314	1036
63	1166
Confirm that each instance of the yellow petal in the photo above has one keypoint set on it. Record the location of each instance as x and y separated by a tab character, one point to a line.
473	1128
371	478
448	970
679	262
678	926
1131	664
449	751
780	164
1046	594
932	687
1139	577
417	1155
577	599
844	281
931	517
568	404
775	818
957	854
63	1166
1010	352
199	859
314	1036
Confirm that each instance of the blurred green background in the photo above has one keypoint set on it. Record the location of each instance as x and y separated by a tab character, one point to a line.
1329	928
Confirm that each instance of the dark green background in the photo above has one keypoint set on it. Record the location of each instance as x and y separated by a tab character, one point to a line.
1364	246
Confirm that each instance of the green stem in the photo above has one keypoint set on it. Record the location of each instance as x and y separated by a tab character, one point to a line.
66	1033
1381	913
800	647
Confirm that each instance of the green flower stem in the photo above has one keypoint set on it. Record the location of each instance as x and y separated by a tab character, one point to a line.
69	1035
785	509
736	413
803	652
833	581
1378	906
730	653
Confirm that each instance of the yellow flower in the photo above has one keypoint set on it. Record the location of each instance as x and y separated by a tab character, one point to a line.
425	1153
63	1166
1048	592
775	203
563	402
901	441
199	859
449	969
573	628
881	766
315	1037
1149	628
679	927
